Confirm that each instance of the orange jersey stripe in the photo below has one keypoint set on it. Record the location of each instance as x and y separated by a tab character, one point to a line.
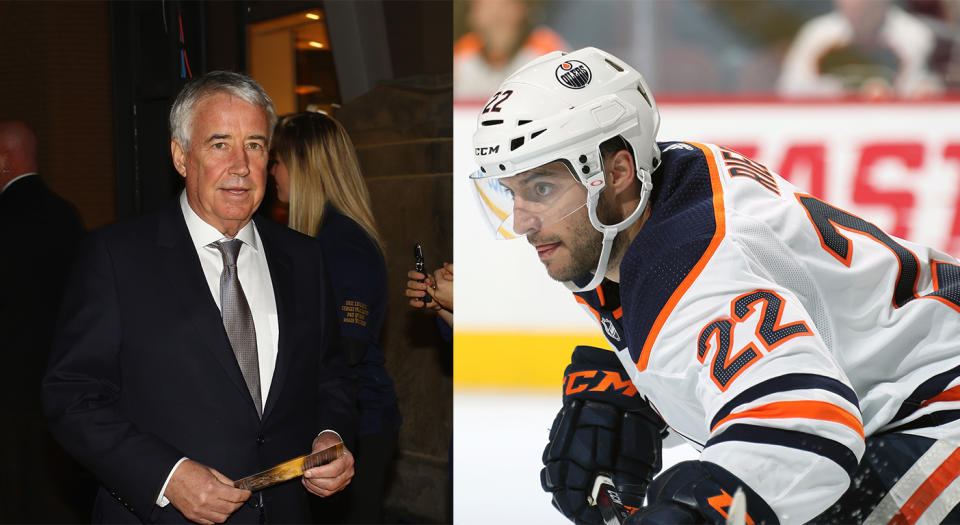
952	394
928	491
718	213
584	302
820	410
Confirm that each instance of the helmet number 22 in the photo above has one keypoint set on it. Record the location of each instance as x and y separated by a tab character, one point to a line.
498	98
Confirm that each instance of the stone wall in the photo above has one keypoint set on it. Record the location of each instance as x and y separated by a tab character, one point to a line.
404	138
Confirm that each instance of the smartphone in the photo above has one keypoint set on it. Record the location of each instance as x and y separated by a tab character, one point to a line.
418	258
418	265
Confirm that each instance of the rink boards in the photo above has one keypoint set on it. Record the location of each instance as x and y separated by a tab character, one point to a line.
895	163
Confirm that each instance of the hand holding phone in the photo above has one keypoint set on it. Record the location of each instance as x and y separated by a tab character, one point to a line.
418	264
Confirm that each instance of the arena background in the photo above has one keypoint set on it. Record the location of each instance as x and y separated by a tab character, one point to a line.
713	67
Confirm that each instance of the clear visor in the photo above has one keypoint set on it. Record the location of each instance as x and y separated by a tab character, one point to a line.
530	201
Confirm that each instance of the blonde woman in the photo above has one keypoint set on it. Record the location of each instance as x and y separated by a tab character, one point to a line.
317	173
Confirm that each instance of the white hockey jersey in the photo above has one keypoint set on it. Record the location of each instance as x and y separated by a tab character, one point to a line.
774	331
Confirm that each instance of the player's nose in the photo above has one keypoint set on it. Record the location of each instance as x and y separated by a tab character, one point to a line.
524	222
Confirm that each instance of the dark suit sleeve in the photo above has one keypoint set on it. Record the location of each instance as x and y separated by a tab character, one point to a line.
81	390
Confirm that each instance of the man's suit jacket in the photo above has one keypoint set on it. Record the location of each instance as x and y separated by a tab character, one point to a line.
39	234
142	372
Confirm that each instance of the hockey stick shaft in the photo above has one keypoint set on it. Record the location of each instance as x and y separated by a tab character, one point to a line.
607	499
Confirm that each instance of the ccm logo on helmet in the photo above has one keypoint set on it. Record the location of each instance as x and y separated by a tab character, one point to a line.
574	74
487	150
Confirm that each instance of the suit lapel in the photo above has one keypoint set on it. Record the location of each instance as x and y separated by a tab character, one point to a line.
181	268
281	274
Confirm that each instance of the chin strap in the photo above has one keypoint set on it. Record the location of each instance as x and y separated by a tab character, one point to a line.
610	232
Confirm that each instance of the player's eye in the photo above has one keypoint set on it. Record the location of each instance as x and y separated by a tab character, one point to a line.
255	146
220	145
542	189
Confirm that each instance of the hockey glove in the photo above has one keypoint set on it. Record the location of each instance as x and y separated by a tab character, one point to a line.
698	492
604	427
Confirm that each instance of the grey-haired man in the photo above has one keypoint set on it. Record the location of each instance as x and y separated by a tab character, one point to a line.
196	344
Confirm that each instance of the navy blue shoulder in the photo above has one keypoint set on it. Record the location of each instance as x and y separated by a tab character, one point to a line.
346	243
358	274
679	233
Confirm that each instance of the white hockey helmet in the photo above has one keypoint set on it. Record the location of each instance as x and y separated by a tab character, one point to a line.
560	108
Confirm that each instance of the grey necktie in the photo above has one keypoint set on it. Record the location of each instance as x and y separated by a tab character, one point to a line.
237	319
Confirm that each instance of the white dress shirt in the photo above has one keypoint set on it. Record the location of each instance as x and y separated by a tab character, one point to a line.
254	276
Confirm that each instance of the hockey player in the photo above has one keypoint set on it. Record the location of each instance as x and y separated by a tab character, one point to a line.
813	359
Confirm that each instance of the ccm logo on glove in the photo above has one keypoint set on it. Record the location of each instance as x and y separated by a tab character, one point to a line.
597	381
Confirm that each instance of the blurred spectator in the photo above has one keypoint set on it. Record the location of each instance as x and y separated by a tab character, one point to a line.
870	48
501	39
317	172
943	16
40	231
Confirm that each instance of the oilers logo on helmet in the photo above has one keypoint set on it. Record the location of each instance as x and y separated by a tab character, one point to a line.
574	74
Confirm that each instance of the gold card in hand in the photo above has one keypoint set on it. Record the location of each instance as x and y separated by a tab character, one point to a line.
289	469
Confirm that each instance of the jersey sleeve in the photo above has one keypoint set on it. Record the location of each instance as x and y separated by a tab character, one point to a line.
775	409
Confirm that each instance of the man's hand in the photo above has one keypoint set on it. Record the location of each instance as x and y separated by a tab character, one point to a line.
331	478
202	494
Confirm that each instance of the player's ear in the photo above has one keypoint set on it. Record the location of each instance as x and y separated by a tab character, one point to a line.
621	171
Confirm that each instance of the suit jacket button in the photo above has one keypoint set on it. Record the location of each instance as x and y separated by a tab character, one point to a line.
260	440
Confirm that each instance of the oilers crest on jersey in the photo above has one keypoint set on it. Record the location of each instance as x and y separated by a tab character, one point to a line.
775	331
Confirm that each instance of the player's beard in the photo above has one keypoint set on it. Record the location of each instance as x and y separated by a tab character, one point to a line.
584	245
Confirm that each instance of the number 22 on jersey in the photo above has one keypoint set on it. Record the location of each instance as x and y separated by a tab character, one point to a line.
770	332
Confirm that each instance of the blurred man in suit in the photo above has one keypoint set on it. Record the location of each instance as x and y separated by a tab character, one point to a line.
31	285
196	345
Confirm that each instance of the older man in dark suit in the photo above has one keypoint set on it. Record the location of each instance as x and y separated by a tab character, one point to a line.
196	345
